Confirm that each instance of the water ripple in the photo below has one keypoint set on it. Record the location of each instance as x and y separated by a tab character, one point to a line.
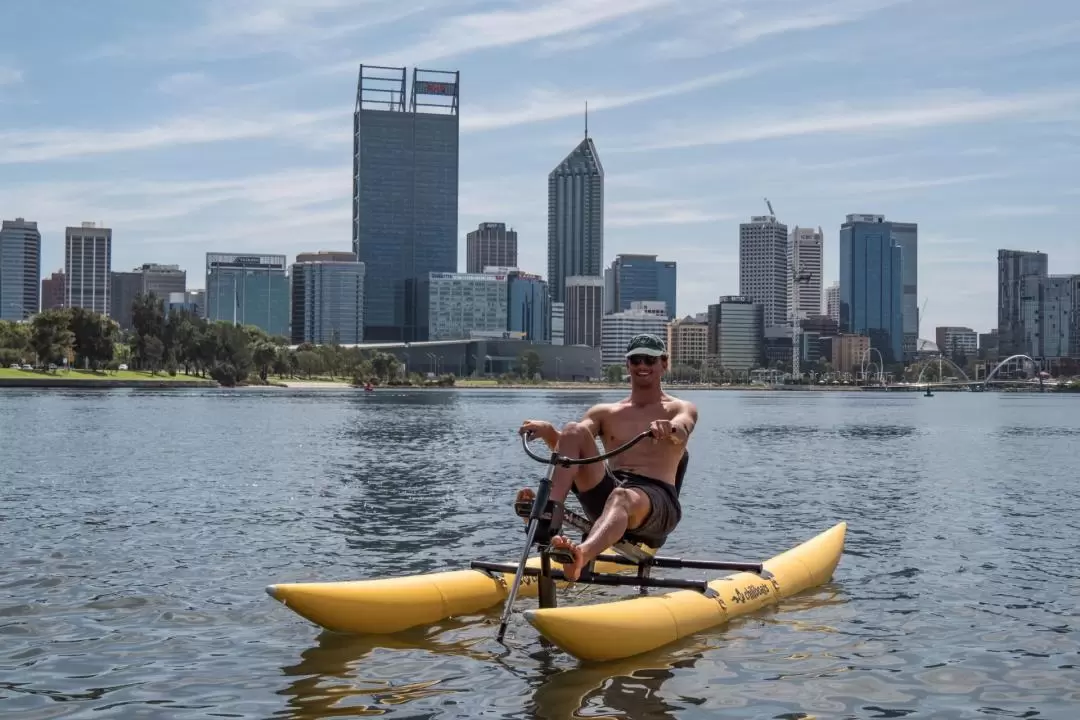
137	554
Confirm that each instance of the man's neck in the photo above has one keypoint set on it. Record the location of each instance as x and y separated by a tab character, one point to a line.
646	396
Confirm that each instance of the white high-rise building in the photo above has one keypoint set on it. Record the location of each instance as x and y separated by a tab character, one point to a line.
805	256
832	302
583	309
620	327
763	266
87	264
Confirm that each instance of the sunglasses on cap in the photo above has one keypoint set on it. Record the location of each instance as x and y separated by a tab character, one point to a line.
647	359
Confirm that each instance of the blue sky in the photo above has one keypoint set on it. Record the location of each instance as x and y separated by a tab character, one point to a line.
225	125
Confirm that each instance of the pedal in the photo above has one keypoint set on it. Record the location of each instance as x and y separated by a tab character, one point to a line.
550	522
563	557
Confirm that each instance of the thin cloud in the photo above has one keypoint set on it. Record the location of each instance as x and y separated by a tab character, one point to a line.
531	21
554	105
922	113
1021	211
10	76
632	214
28	146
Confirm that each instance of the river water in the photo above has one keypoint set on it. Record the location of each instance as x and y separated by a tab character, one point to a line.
139	529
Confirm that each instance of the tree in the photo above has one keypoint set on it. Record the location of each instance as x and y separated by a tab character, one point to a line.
530	364
94	336
51	336
613	373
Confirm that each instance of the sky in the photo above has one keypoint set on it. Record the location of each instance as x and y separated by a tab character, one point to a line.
225	125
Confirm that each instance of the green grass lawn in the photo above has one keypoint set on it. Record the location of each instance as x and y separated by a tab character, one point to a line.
89	376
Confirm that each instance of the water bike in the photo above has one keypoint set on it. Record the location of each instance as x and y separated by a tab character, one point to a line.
600	631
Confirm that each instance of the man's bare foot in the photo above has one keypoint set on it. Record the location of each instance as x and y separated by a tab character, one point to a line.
571	570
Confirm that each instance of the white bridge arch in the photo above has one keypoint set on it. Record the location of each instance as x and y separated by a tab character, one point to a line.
1008	360
940	359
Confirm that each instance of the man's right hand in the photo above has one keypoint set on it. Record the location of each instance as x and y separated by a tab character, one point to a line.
541	429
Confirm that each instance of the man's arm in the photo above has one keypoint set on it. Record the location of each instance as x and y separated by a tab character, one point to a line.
684	421
550	434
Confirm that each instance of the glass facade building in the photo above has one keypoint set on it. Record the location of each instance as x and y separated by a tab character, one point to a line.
327	302
528	306
20	269
405	193
871	284
737	333
459	304
906	235
575	219
640	278
1022	282
248	290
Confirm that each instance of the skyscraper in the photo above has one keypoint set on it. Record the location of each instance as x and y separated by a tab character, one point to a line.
763	266
20	269
871	284
832	302
805	254
327	299
906	236
575	219
405	192
490	244
1021	284
87	264
639	278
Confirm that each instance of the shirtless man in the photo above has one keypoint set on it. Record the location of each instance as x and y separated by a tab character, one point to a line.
638	494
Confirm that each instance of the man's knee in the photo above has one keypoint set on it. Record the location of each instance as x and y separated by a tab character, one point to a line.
627	501
576	432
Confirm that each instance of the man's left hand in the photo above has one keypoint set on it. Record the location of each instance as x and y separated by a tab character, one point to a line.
662	429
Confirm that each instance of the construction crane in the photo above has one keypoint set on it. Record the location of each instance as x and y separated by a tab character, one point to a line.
798	277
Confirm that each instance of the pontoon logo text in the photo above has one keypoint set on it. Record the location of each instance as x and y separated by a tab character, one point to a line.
753	592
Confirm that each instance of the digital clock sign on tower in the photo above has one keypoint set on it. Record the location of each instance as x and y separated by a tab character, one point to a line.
405	193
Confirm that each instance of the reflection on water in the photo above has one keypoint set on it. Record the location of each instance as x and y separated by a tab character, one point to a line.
135	561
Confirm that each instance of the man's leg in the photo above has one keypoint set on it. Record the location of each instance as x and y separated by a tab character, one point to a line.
626	509
575	441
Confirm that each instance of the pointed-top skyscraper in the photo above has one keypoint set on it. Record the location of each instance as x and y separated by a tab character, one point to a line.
575	217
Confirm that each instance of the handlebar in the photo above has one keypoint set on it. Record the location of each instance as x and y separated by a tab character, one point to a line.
556	459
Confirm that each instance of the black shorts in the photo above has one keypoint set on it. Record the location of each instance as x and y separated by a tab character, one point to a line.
665	512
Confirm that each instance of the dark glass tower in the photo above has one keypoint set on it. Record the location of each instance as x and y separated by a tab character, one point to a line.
575	218
872	284
405	192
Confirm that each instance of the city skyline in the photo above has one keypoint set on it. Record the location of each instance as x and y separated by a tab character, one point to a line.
212	141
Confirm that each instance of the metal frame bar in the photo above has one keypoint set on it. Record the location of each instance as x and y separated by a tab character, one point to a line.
701	586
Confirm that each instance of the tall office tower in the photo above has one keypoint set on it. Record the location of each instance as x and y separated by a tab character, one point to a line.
583	310
763	266
1061	324
832	302
906	235
248	290
20	269
575	219
490	244
87	264
327	299
639	278
1021	284
405	192
871	284
805	254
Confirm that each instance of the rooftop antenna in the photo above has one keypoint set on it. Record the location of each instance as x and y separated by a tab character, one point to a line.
586	119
